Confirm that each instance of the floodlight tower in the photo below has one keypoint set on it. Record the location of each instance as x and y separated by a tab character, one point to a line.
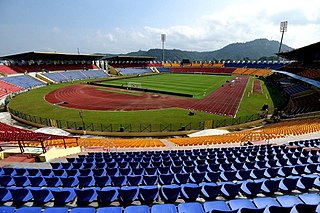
163	39
283	28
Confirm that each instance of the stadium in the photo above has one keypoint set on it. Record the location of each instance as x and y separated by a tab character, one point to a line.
86	133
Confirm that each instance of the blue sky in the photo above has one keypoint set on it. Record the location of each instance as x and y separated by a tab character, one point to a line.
121	26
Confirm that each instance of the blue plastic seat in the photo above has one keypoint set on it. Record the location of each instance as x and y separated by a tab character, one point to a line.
163	170
56	165
41	196
99	172
134	180
56	210
263	202
251	189
175	169
9	171
217	206
59	173
212	177
113	209
6	180
151	170
271	172
181	178
102	181
270	186
185	169
7	209
85	172
21	172
164	208
69	181
288	200
190	192
237	204
230	190
138	171
63	195
46	172
228	175
20	195
73	172
170	193
53	181
107	195
257	173
306	208
285	171
305	183
125	171
5	195
33	172
21	181
85	196
37	181
67	166
112	171
165	179
137	209
190	208
128	194
310	199
150	180
29	210
118	180
83	210
148	194
86	181
210	190
243	174
288	184
197	177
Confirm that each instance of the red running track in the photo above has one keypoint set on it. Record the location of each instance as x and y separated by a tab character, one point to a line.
223	101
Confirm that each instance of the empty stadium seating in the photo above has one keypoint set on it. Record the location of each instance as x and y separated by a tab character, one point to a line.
24	81
236	175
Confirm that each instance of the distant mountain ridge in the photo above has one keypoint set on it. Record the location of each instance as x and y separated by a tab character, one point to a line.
259	49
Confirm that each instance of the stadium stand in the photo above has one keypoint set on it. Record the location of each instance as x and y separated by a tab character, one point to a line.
223	179
51	67
7	88
24	81
5	70
74	75
134	71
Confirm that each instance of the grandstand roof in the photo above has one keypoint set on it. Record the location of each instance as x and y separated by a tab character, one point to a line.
129	58
307	53
52	56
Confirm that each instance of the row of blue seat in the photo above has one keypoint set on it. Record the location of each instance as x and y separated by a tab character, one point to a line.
169	193
303	203
215	165
24	81
103	177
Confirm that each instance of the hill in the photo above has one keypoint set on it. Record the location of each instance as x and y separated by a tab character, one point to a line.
252	50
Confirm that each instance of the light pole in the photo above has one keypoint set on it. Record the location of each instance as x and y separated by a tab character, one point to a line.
163	39
283	28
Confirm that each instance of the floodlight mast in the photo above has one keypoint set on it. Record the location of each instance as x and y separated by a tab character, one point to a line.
283	28
163	39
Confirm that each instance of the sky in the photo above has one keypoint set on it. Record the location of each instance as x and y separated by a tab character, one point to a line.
122	26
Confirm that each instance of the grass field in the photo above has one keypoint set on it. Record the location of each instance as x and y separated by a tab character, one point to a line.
197	85
33	104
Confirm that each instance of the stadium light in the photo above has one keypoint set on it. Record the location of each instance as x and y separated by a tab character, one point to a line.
163	39
283	28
